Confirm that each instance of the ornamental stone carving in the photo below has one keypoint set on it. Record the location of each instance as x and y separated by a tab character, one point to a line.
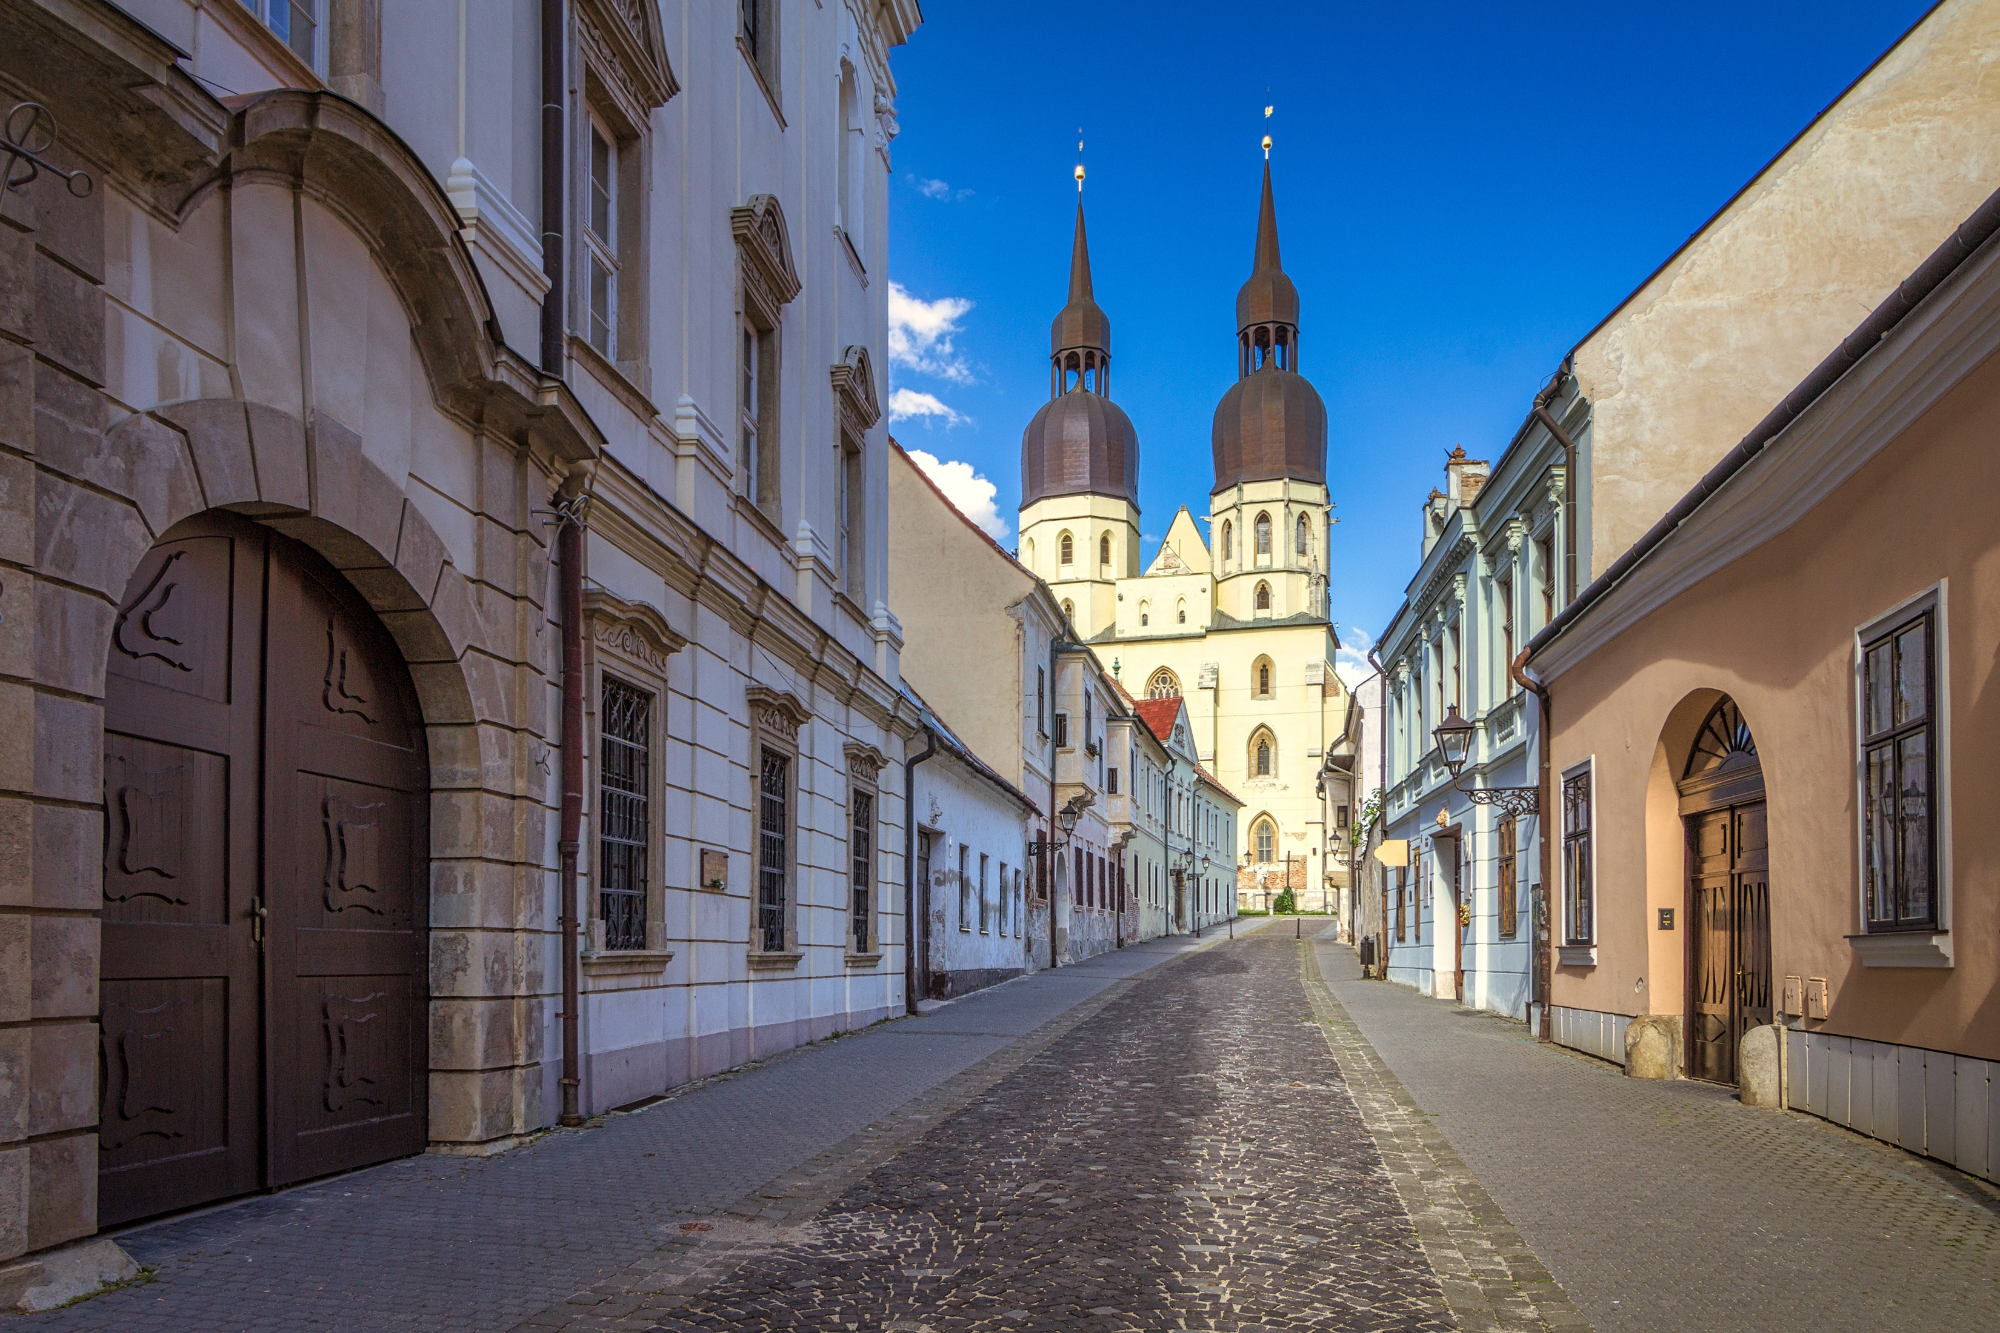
633	630
770	280
625	38
864	762
854	391
777	712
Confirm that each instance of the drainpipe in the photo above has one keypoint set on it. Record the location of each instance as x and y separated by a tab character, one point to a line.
1546	800
1548	420
910	870
552	185
1382	814
569	557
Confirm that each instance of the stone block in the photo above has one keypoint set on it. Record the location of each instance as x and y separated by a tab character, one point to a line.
475	895
16	970
69	858
63	967
278	443
72	638
17	851
13	1195
69	321
442	694
157	471
85	537
1757	1067
69	228
17	283
17	396
1653	1047
218	439
420	553
479	963
472	1107
17	1078
69	749
484	1034
62	1091
50	1280
17	720
62	1189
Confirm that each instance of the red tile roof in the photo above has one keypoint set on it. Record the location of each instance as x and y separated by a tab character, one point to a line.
1159	714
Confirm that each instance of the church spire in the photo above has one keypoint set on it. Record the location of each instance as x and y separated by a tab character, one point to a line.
1267	230
1267	305
1080	337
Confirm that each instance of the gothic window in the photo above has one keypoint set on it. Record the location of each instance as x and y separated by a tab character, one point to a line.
1266	835
1066	551
1305	537
1263	597
1069	612
1264	536
1104	549
1180	613
1260	675
1228	541
1263	754
1145	616
1164	685
624	812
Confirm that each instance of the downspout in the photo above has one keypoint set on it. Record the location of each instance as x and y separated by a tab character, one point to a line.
569	557
552	185
1545	804
1549	422
910	870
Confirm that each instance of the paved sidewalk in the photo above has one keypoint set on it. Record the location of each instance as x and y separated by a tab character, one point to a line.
1671	1206
479	1244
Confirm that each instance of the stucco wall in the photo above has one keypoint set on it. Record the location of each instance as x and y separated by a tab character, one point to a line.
1775	630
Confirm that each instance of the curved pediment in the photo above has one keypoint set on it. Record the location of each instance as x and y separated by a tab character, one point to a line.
627	36
854	390
766	245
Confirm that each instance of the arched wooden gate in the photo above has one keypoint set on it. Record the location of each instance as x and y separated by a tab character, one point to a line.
1728	893
265	877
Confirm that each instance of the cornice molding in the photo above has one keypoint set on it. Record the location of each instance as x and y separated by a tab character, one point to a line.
635	629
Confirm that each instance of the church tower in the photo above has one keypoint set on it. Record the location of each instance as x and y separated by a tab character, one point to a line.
1269	511
1080	464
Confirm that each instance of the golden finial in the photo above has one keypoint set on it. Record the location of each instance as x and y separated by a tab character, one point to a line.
1267	131
1079	161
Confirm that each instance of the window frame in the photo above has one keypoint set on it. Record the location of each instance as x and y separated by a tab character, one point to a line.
776	720
601	248
608	935
864	852
1507	867
1928	608
965	888
319	15
1261	528
1579	855
1260	600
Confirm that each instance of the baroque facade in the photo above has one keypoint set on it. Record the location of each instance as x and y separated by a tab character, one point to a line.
344	626
1237	625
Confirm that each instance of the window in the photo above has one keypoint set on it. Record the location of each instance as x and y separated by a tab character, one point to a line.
1145	614
1069	613
297	24
1062	731
964	887
750	406
1267	838
1402	897
853	161
1509	905
985	925
1263	536
1104	549
1503	592
1577	889
1067	548
1305	537
1111	781
767	281
600	240
624	812
1020	904
861	869
1041	701
758	39
1164	685
852	502
1263	597
1545	554
1180	613
1006	898
773	849
1457	671
1228	541
1899	770
1340	816
1263	756
1264	679
1076	889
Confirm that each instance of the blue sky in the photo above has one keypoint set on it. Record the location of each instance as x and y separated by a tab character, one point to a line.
1460	198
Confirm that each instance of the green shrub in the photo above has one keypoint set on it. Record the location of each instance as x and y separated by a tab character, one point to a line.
1285	904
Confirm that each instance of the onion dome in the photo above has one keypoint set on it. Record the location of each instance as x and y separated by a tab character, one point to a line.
1080	443
1271	423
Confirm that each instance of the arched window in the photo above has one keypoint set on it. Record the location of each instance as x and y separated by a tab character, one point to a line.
1305	535
1228	541
1164	685
1263	756
1145	614
1031	553
1267	842
1069	611
1262	676
1263	759
1104	549
1263	597
1263	534
1180	613
1068	549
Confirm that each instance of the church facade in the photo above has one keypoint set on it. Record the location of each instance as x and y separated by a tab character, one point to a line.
1234	623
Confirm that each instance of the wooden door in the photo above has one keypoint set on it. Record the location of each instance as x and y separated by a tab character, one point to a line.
180	1121
1457	930
922	941
347	865
1712	936
1750	889
265	866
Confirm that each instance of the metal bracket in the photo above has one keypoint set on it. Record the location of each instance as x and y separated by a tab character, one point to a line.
1515	801
561	511
31	131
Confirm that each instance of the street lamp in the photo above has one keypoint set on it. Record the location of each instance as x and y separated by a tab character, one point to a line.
1454	742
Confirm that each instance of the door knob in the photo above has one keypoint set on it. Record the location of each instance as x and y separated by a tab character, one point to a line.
258	915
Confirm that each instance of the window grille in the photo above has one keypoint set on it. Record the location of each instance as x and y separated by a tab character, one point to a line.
1578	895
624	816
862	850
773	837
1899	765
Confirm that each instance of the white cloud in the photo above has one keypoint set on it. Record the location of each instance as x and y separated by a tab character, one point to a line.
907	403
920	334
972	493
1351	662
936	189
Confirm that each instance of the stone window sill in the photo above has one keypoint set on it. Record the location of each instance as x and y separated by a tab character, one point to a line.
864	960
626	962
1915	948
1576	955
774	962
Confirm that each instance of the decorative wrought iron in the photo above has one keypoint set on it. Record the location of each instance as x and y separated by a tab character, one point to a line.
30	132
623	768
1514	801
862	848
774	827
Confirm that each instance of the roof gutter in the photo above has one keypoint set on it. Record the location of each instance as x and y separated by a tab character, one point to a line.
1960	246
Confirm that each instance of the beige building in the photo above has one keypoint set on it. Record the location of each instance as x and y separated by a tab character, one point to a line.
1237	627
429	586
1772	749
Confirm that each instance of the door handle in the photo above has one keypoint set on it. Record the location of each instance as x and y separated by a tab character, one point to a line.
258	915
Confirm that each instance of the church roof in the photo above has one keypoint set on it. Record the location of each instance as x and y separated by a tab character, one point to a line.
1080	442
1267	296
1081	323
